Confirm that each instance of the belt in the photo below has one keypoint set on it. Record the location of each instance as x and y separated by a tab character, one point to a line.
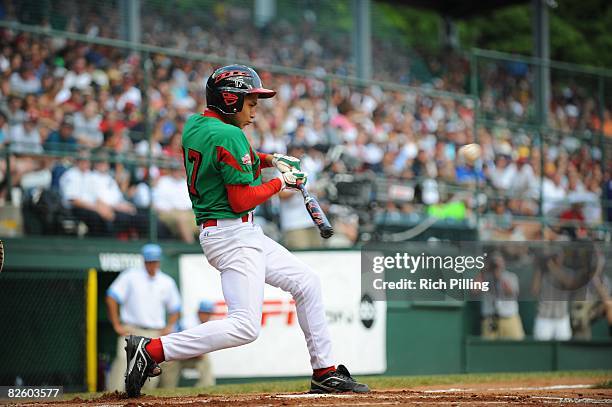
227	222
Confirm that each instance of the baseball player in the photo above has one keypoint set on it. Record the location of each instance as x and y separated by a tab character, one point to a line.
224	182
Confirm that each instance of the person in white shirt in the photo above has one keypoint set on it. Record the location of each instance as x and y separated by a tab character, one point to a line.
524	183
94	198
24	81
131	94
553	193
123	214
553	283
141	301
80	196
298	230
25	138
78	77
499	306
524	188
173	206
503	173
87	126
25	146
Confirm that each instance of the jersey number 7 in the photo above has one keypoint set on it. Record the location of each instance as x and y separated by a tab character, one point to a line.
194	157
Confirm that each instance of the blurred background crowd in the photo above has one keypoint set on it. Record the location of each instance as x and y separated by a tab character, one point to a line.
75	118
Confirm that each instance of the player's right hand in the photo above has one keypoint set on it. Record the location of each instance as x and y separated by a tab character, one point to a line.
293	179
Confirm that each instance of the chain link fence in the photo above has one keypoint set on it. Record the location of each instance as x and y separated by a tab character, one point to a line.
43	315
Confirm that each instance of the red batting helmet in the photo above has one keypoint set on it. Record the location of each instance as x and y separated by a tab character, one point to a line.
226	87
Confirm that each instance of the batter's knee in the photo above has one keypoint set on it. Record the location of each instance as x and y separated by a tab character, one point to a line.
247	329
309	285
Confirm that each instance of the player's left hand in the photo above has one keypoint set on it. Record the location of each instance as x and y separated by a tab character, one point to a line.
285	163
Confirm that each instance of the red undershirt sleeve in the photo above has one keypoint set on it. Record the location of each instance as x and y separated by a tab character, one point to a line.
245	197
263	160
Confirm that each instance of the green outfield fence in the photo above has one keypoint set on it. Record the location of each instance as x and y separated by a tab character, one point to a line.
46	306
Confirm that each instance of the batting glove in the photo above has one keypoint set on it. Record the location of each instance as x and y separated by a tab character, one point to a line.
292	179
285	163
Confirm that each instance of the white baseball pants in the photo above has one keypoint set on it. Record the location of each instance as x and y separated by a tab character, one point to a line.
247	259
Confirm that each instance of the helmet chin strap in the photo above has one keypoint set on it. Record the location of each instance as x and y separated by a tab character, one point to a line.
229	118
218	110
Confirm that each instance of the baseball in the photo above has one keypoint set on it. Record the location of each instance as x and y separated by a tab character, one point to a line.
470	152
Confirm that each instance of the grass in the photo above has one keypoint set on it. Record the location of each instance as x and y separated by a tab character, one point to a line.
604	385
375	382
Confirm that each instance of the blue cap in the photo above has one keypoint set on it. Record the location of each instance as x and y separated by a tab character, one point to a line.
206	306
151	252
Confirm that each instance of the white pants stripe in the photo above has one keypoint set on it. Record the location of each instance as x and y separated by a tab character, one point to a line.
247	259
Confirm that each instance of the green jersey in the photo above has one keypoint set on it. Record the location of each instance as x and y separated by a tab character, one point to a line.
216	154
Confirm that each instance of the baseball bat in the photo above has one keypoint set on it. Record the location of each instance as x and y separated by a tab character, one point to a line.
316	213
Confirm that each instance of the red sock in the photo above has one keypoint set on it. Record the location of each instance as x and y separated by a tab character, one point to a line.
320	372
155	350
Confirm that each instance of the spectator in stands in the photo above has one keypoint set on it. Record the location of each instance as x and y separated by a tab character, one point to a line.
15	113
296	226
553	193
121	215
142	147
130	94
25	81
77	77
63	140
346	227
173	206
384	131
524	187
503	172
79	195
25	145
87	126
24	137
174	148
572	221
469	174
4	129
499	306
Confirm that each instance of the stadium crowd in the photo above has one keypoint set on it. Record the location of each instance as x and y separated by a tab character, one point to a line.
68	98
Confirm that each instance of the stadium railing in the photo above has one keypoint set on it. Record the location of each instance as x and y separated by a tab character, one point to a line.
541	132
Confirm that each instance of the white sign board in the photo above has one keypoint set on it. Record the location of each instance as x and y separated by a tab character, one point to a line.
358	329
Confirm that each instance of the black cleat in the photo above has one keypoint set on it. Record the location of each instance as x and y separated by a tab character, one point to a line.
140	365
339	381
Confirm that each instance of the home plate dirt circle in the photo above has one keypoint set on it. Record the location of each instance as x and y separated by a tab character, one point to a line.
534	393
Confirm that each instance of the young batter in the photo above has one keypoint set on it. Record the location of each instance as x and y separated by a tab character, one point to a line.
224	180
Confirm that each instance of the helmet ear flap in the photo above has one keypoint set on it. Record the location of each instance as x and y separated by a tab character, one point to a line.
224	101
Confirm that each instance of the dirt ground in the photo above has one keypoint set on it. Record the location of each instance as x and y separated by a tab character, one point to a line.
569	391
